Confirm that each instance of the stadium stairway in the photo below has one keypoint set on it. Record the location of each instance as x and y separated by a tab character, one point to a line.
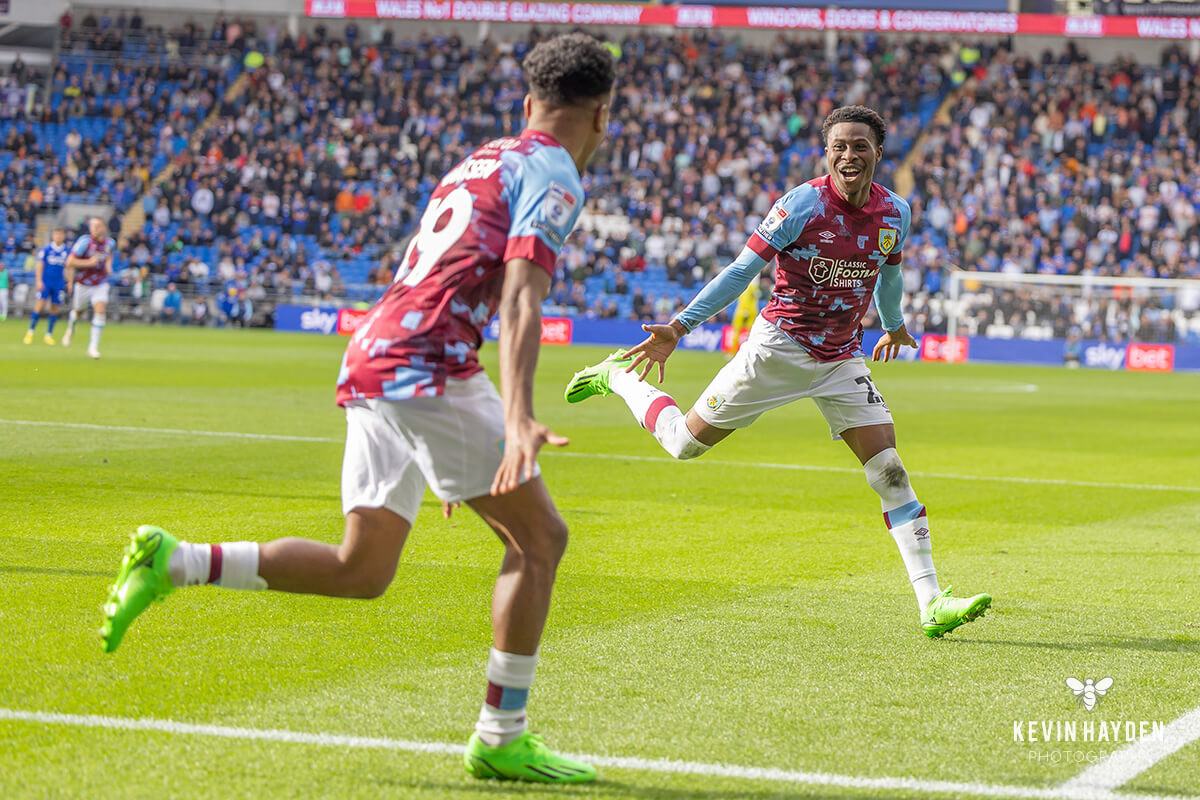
135	218
903	178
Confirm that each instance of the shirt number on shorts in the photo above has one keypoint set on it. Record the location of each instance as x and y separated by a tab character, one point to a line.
429	244
872	394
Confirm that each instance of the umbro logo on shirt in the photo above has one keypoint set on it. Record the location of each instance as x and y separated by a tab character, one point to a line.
828	236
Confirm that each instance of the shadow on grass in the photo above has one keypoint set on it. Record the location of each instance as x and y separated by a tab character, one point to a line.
88	573
603	788
1181	644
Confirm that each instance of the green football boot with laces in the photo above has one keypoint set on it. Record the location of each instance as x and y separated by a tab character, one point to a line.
946	613
142	579
591	381
525	758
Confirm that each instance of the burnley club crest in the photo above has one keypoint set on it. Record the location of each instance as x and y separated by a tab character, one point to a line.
887	240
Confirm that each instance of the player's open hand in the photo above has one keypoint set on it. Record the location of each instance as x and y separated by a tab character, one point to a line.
890	343
656	349
521	445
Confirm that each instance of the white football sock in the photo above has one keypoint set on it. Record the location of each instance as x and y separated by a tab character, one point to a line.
98	321
906	520
189	564
232	565
657	412
71	317
502	717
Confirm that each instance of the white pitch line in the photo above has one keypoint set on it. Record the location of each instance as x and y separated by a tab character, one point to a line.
277	437
770	774
274	437
1134	759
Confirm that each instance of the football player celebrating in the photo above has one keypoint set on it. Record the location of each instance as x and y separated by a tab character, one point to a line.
836	242
420	410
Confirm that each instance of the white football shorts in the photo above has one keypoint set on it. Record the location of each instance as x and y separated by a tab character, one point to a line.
85	296
394	448
771	370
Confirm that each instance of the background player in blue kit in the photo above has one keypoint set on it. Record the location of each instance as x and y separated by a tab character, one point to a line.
50	284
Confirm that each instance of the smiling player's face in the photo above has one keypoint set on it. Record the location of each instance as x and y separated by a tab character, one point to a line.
851	155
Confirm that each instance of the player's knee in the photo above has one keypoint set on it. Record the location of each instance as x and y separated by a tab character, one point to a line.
540	552
679	442
691	449
363	577
552	544
366	582
888	477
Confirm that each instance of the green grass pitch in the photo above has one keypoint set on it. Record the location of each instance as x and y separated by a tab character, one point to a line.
728	611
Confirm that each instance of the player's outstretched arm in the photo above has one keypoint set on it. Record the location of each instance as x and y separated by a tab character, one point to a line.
889	290
888	346
716	295
526	285
656	348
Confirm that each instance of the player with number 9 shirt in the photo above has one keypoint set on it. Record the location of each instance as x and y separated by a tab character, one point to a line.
420	410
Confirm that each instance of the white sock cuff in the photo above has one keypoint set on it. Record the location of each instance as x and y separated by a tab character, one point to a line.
511	670
98	319
925	573
239	569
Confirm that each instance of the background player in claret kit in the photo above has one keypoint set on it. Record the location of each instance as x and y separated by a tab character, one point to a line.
51	284
419	408
89	267
834	240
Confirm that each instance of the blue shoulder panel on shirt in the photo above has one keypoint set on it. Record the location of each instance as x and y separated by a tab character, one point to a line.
905	213
81	245
545	196
786	220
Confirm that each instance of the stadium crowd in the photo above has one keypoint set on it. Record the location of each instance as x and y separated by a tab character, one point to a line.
308	177
1065	167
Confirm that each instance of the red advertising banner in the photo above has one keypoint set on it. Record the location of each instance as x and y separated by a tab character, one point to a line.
771	17
1150	358
936	347
557	330
348	320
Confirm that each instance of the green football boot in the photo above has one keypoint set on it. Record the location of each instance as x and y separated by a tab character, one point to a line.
591	381
946	613
524	759
143	578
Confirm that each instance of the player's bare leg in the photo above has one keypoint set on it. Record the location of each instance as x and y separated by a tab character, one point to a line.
72	318
907	521
156	563
535	538
362	566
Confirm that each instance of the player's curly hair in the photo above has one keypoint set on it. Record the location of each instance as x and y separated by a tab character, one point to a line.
856	114
568	69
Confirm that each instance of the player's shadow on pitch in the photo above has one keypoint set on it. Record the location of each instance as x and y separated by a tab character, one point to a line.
609	788
1097	642
88	573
